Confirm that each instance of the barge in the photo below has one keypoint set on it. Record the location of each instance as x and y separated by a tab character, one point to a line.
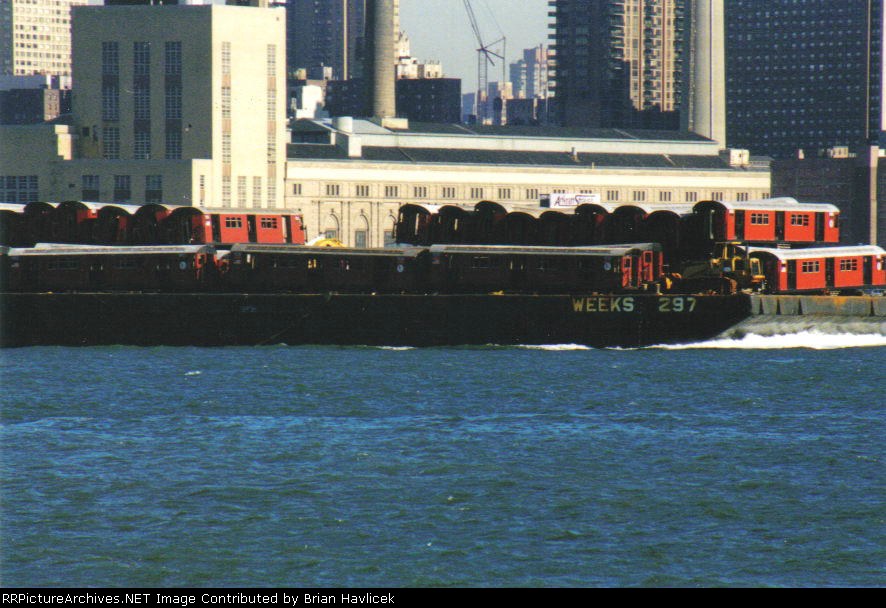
231	319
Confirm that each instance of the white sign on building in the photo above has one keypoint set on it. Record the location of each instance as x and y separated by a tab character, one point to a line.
559	200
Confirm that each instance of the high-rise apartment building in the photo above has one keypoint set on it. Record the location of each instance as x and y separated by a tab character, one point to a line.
35	37
529	75
618	63
804	74
329	33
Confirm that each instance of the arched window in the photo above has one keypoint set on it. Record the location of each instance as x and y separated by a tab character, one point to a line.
389	225
331	227
361	232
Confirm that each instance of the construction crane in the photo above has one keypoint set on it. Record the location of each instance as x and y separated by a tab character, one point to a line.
485	57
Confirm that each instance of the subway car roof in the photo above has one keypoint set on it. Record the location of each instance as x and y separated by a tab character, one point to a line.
778	204
591	250
404	251
50	249
819	252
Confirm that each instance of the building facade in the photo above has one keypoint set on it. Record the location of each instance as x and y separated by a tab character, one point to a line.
35	37
804	74
618	63
348	178
188	108
854	181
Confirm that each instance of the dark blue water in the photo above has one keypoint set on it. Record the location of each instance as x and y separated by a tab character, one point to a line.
497	467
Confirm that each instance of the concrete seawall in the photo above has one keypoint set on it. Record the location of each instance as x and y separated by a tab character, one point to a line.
831	306
783	315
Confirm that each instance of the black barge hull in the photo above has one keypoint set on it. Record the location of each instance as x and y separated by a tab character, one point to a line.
228	319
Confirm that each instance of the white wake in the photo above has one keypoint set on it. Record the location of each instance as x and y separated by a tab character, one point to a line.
811	339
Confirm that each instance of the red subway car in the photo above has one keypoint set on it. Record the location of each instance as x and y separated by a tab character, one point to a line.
822	268
776	220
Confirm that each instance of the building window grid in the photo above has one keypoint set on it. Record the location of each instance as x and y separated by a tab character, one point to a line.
256	190
141	58
173	102
241	191
111	143
226	147
141	101
173	145
142	145
448	192
173	58
153	188
226	190
226	58
122	188
362	190
19	188
110	58
226	102
110	102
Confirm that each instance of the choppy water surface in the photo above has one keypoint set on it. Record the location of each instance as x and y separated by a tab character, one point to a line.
741	463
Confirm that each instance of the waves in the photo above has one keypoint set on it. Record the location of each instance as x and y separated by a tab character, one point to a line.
815	340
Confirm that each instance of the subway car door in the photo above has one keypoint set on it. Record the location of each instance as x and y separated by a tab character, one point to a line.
251	232
829	272
287	228
739	225
868	270
819	227
779	225
216	228
627	271
792	274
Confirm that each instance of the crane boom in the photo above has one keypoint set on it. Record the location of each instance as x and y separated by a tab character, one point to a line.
485	58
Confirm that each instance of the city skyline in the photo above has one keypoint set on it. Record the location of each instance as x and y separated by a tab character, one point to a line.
442	31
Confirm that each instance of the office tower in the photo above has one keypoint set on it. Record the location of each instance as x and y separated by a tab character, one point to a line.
803	74
618	63
35	37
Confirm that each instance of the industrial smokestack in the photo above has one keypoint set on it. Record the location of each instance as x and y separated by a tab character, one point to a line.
705	106
380	15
